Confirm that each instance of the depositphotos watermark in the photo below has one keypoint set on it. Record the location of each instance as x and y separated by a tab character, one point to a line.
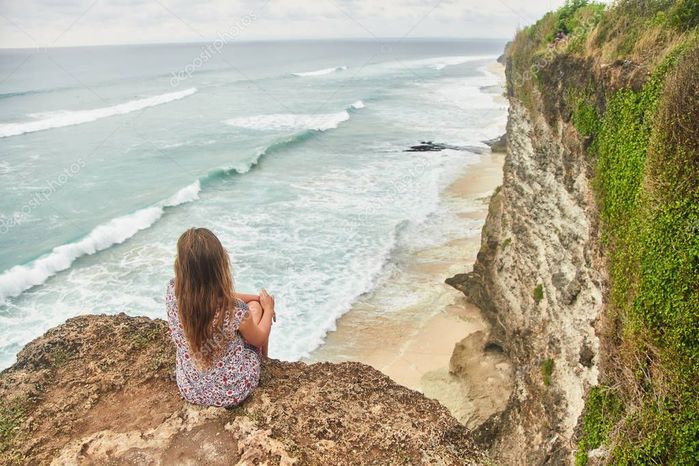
41	196
212	49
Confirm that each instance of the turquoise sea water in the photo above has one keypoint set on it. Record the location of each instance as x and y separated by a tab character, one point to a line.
292	152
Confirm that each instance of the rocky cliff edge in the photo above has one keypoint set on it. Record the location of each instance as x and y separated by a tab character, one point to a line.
100	390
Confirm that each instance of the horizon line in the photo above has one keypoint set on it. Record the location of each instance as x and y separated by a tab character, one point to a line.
262	40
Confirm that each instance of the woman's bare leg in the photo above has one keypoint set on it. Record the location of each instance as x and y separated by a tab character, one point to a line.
256	312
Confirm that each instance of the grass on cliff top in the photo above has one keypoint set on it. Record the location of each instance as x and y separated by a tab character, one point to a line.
645	148
640	30
536	46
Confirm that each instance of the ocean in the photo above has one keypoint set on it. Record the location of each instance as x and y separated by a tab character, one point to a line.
293	153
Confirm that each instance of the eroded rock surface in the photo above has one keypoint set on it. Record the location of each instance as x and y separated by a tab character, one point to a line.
100	390
538	280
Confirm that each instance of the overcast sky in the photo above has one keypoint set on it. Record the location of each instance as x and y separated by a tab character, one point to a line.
54	23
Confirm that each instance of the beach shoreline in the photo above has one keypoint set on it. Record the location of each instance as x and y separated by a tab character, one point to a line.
414	343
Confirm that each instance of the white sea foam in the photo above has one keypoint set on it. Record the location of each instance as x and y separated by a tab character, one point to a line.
174	145
193	143
320	72
285	121
358	276
331	289
294	121
440	63
5	168
22	277
187	194
63	118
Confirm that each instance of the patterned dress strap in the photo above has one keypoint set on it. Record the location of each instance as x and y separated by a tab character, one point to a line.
241	310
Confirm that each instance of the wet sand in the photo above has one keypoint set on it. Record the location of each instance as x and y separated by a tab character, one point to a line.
414	340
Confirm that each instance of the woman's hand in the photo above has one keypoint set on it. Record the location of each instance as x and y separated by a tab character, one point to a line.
267	302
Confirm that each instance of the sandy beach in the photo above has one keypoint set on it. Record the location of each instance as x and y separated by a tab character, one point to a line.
413	343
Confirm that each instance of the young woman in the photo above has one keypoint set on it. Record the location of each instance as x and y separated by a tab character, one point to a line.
219	334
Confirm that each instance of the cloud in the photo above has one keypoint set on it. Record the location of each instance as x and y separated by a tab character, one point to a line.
32	23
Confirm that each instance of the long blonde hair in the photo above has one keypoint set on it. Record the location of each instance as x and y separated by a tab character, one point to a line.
204	292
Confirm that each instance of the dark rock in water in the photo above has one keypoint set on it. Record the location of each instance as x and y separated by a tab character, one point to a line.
426	146
429	146
497	144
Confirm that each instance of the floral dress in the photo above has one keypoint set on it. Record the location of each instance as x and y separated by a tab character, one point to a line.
231	377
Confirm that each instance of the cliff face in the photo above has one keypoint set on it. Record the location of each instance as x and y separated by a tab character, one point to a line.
589	256
538	280
100	390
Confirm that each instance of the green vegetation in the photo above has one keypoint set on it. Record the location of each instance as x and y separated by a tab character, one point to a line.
144	336
641	29
11	418
653	259
643	142
602	411
59	357
535	47
585	117
547	370
574	20
566	19
684	15
538	293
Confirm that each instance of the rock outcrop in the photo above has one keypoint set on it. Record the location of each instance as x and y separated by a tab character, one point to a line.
100	390
538	280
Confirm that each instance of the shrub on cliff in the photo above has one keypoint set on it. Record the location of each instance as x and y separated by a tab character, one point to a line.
538	293
647	165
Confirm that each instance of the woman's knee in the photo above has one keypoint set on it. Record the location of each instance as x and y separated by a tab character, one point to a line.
255	311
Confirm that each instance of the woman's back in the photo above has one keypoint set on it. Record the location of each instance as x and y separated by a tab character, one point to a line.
232	375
